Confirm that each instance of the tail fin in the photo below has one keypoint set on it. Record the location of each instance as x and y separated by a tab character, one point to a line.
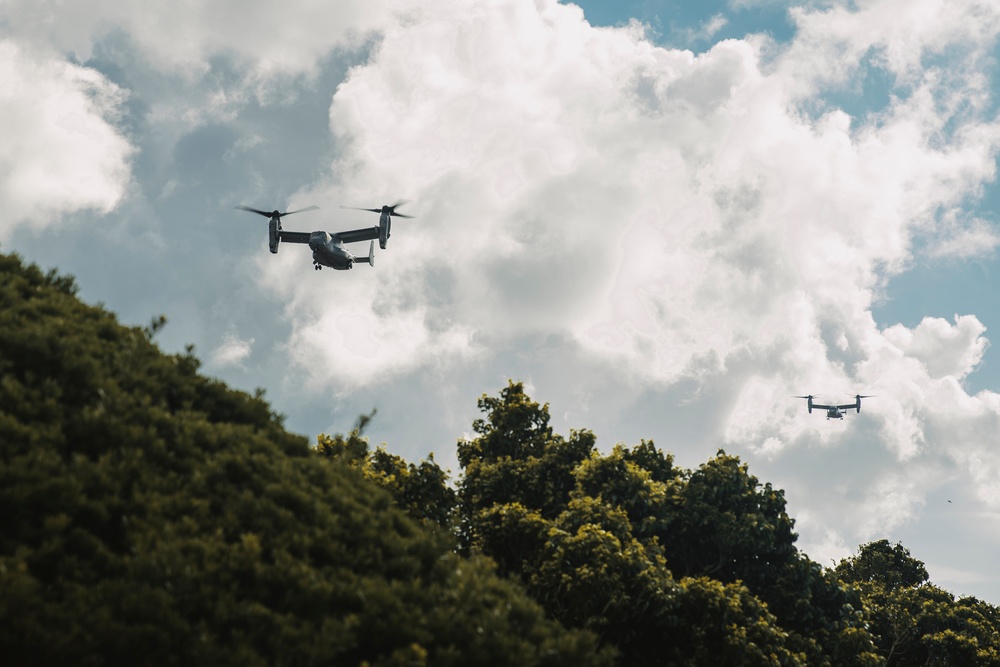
370	259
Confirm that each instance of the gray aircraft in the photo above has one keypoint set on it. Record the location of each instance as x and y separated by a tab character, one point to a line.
834	411
328	249
386	214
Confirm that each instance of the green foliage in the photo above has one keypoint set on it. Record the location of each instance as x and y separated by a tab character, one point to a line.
421	490
665	565
889	565
518	457
151	516
913	621
728	527
726	625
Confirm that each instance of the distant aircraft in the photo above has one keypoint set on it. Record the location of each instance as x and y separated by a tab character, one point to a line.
386	213
328	249
834	411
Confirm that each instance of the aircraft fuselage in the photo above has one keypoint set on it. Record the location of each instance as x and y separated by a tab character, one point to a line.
329	251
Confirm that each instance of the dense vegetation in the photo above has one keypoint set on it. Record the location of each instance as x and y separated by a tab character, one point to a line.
150	515
670	566
913	621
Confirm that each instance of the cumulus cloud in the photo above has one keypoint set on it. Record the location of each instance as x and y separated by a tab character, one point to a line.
942	348
712	221
708	218
273	38
232	352
61	150
899	36
363	329
667	209
974	238
705	31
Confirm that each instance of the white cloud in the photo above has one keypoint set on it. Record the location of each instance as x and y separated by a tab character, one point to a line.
232	352
705	31
358	328
890	501
274	38
681	217
828	548
709	221
61	151
942	348
668	210
899	35
974	238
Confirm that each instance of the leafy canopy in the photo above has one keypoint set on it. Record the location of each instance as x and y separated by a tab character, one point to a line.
668	566
149	515
913	621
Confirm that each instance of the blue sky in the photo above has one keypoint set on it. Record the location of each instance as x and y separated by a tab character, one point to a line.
665	218
672	23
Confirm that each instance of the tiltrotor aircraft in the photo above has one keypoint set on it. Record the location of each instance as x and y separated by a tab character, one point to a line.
386	213
328	249
834	411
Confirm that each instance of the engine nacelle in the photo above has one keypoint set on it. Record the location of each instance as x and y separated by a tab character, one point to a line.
273	236
384	223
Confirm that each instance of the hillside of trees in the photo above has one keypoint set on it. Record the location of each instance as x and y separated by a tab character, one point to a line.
150	515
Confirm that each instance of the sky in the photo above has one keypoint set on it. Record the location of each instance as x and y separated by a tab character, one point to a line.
665	218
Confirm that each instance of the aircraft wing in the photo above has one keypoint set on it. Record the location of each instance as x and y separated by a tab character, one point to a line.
849	406
355	235
295	237
827	407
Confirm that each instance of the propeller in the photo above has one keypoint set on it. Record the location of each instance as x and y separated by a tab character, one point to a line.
389	210
809	396
275	213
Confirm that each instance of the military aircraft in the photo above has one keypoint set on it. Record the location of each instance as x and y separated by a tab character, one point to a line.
328	249
834	411
386	213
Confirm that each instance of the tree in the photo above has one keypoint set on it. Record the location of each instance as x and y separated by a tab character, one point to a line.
420	490
889	565
516	456
915	622
726	525
149	515
593	536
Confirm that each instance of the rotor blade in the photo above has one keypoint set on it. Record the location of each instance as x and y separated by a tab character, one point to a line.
307	208
803	397
266	214
400	203
400	215
355	208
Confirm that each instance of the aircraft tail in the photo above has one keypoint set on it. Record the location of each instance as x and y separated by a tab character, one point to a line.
370	259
